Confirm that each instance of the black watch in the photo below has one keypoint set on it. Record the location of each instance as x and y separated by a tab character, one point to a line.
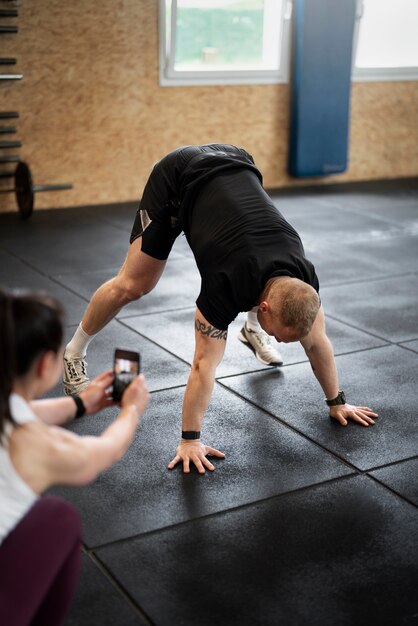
190	434
81	409
340	399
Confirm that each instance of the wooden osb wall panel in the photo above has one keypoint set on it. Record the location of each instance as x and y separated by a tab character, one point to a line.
93	113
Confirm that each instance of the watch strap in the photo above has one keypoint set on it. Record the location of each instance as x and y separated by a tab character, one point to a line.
190	434
339	399
81	409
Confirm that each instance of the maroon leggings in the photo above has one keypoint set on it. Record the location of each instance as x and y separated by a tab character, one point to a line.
39	565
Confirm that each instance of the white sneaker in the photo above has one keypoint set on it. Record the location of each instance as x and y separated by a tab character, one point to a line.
260	343
75	377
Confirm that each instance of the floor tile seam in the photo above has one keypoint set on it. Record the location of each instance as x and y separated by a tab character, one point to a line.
71	273
120	319
363	330
341	283
67	288
348	187
148	313
293	429
238	507
408	341
369	211
266	368
391	463
218	378
291	364
24	262
402	345
109	222
183	386
396	493
154	342
119	587
114	269
371	280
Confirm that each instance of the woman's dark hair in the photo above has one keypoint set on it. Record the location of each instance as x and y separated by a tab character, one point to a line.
31	323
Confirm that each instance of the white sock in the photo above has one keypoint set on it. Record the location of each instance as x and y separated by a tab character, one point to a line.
78	344
252	321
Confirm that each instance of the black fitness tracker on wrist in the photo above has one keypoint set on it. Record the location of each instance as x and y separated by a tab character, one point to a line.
81	409
190	434
340	399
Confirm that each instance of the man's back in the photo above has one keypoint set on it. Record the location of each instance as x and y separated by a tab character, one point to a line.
240	240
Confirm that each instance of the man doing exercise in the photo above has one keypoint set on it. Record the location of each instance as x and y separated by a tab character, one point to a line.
249	258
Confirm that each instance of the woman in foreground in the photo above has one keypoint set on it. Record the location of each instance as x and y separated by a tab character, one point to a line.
40	537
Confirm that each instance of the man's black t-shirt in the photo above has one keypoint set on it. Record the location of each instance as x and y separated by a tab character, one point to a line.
240	240
238	237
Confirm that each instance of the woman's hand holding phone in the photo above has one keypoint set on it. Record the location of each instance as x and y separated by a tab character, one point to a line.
98	395
136	394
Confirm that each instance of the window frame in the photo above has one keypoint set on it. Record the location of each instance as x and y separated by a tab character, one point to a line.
169	77
376	74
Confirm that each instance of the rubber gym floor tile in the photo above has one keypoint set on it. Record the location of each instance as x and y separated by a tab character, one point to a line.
376	195
287	201
335	227
162	370
41	223
174	331
394	213
17	275
402	478
384	379
365	196
177	288
139	494
411	345
98	602
341	553
376	258
387	307
66	242
121	214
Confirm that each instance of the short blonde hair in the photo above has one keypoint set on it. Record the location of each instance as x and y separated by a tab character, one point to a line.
294	303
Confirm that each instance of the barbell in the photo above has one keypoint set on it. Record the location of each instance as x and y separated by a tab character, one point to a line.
25	189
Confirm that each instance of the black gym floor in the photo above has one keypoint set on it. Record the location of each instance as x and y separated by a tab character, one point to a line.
304	522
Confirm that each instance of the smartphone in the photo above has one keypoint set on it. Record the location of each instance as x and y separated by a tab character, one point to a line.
126	367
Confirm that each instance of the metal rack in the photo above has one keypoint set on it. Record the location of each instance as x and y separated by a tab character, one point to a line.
24	189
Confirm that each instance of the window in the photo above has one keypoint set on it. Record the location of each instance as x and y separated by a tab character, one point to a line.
386	40
224	41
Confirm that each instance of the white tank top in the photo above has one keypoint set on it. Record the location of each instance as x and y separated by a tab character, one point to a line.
16	497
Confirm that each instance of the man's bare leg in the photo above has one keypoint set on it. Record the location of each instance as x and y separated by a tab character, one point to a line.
138	275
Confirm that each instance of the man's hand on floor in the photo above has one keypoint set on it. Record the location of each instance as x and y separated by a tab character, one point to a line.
195	452
361	414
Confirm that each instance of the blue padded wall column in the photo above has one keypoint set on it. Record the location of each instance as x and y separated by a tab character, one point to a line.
322	46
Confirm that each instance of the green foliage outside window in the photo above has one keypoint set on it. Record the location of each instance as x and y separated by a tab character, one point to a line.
234	33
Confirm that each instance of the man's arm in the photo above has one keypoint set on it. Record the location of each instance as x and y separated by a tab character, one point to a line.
320	353
209	350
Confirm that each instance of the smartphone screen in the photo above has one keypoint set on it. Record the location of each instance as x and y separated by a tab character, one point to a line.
125	368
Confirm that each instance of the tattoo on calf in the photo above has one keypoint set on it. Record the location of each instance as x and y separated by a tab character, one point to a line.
210	331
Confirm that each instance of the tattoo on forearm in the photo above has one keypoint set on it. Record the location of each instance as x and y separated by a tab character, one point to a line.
210	331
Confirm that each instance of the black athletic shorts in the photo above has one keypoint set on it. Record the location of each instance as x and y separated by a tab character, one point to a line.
158	237
172	188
